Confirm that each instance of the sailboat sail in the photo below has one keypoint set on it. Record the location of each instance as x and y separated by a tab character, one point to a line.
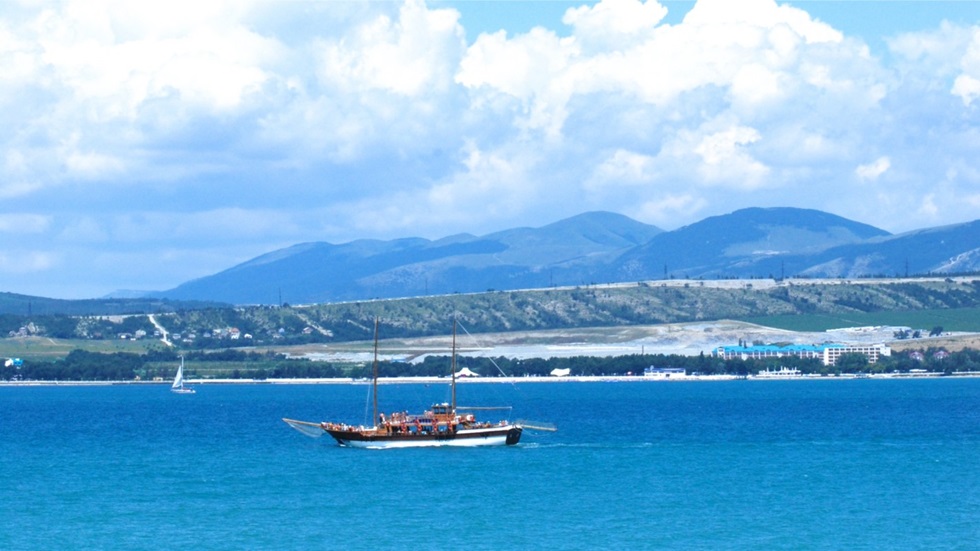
310	429
178	385
179	379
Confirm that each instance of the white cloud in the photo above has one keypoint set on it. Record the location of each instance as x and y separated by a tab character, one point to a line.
224	224
725	158
26	262
413	56
756	86
622	168
380	84
967	84
967	88
664	211
614	23
531	68
937	56
937	52
927	206
82	83
873	170
18	64
738	17
492	184
91	165
24	223
116	55
522	66
188	124
489	186
86	229
717	154
744	46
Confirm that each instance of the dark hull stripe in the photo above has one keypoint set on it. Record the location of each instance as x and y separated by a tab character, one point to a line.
513	435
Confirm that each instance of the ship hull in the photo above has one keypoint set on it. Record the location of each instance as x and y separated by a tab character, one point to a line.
507	435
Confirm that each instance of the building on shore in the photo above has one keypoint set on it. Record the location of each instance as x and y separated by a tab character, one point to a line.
782	372
826	353
664	372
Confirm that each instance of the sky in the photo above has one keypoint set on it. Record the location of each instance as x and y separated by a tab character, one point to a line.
146	144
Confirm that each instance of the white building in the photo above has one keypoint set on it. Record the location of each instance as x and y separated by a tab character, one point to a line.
664	372
828	353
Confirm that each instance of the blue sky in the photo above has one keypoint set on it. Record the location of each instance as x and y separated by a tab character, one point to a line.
149	143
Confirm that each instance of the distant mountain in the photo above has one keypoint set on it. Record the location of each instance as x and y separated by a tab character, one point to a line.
943	250
747	243
595	247
564	252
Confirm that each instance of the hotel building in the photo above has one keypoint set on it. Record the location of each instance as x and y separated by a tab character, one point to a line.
827	353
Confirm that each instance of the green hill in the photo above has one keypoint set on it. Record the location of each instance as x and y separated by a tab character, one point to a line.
26	305
923	304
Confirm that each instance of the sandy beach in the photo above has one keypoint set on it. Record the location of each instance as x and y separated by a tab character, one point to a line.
499	380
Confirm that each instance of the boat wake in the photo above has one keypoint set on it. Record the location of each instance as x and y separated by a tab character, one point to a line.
537	425
589	445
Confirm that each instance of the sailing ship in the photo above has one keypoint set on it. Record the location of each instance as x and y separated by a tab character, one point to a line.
178	386
443	424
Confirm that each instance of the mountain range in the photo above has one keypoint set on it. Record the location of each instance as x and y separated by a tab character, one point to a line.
594	247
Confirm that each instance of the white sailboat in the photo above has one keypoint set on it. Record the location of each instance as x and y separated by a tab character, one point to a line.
178	386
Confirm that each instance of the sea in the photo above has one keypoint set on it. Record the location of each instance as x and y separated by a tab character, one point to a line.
786	464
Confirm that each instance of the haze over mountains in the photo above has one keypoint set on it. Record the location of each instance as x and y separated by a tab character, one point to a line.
595	247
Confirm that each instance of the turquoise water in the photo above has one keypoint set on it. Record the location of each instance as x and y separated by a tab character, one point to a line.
842	464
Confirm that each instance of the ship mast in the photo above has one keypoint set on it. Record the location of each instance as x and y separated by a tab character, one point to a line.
453	366
375	418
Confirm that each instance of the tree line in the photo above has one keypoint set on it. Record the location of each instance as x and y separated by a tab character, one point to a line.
82	365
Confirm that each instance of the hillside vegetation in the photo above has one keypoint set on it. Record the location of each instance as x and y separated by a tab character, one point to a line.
25	305
924	303
648	303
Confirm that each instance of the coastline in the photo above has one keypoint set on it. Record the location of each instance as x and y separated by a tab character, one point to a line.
502	380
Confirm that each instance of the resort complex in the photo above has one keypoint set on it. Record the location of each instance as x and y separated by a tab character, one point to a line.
827	353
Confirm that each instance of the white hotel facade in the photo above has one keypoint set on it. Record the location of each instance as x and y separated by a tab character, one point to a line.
827	353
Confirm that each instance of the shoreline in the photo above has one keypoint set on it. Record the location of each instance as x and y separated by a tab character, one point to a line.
502	380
